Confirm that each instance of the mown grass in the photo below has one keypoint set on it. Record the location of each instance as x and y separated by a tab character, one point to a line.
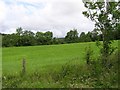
49	66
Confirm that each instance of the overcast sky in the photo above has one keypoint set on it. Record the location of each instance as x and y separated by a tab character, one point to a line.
58	16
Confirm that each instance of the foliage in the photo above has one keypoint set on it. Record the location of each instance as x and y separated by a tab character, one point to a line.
106	18
72	74
28	38
88	56
44	38
72	36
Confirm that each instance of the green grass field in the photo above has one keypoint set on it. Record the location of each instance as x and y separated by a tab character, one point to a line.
51	66
43	58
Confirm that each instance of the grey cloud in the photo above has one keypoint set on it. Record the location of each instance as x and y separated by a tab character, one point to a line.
58	17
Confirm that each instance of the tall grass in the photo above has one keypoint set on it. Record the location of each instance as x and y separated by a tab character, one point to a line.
73	74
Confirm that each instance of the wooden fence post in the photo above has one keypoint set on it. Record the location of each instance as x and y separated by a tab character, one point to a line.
23	66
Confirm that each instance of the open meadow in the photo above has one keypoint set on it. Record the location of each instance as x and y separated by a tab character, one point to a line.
59	44
43	59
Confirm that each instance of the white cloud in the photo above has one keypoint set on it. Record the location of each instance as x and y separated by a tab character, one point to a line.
2	11
58	16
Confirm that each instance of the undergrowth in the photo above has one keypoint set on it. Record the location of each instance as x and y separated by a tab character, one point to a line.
71	75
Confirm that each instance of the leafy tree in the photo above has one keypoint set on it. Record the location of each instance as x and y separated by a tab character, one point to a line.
94	36
27	38
48	37
82	37
88	37
5	40
85	37
106	18
44	38
19	31
72	36
116	33
40	38
9	40
58	40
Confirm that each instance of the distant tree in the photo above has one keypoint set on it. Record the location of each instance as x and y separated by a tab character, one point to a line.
28	38
85	37
48	37
88	37
9	40
19	31
82	37
116	32
95	35
5	40
44	38
72	36
40	38
58	40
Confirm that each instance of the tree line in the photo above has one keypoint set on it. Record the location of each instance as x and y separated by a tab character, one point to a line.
28	38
